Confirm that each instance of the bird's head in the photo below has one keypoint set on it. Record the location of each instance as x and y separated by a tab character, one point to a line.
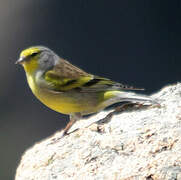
37	58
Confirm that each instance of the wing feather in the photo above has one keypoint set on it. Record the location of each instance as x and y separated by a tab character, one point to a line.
65	76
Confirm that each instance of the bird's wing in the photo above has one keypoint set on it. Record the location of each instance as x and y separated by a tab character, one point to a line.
65	76
101	84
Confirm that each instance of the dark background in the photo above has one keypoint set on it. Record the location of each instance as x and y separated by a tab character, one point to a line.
133	42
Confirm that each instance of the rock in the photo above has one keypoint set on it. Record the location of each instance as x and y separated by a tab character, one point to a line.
140	144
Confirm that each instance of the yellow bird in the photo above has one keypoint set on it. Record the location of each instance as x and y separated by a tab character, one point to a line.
68	89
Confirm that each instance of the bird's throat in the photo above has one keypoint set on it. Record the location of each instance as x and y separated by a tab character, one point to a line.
30	66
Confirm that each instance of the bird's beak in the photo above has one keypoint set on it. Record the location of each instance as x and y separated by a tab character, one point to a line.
20	60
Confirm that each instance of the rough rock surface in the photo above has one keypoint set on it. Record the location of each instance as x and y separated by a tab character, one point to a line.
139	144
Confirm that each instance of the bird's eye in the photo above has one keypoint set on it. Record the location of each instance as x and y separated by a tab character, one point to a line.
34	54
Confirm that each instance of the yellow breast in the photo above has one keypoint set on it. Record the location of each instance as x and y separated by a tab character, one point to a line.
60	102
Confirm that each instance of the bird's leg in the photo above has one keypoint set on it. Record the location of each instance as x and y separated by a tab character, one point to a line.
73	119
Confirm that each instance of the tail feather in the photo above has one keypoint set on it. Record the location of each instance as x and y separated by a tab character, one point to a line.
135	98
112	97
123	96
